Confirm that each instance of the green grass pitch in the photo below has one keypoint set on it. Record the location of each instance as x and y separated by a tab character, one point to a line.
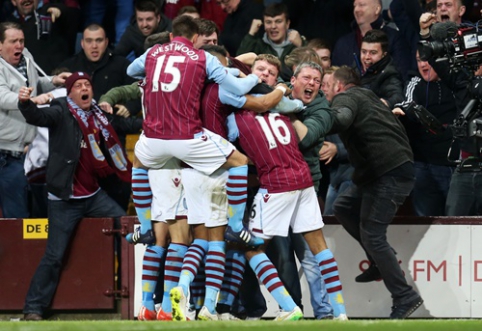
305	325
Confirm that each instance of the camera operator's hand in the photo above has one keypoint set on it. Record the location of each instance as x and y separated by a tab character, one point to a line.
426	20
398	111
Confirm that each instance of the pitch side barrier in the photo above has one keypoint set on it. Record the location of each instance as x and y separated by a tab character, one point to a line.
88	280
441	256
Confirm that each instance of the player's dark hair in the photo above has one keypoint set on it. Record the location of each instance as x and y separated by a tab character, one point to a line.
184	26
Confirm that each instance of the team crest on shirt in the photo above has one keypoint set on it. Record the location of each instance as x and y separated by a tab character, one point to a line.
176	181
266	197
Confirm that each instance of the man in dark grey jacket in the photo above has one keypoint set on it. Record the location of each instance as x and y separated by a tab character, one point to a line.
380	153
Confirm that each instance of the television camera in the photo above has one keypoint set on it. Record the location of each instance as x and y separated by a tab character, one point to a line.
460	46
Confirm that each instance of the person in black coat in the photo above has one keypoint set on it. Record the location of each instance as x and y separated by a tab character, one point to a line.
148	21
369	17
107	71
379	73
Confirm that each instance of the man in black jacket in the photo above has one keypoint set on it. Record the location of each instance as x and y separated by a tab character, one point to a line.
83	146
107	71
379	73
149	20
380	153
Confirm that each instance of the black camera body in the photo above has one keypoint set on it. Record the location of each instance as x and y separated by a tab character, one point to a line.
460	45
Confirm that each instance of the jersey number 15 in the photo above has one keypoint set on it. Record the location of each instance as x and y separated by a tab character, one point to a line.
169	69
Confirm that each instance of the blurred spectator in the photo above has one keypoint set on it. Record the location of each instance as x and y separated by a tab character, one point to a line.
237	24
172	8
378	70
327	19
406	14
211	10
95	12
17	69
367	17
107	71
433	171
277	40
323	50
190	11
297	56
48	29
208	33
472	12
149	20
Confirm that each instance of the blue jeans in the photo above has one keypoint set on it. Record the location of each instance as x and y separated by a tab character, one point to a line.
431	187
465	194
13	187
63	219
365	213
332	194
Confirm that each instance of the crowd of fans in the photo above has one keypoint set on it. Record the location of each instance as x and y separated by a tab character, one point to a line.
378	39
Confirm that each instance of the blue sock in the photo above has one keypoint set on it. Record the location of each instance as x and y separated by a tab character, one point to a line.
192	260
233	277
237	192
150	273
172	271
142	197
215	264
268	275
329	272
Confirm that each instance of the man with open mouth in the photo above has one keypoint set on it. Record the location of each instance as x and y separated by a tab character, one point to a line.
17	69
83	147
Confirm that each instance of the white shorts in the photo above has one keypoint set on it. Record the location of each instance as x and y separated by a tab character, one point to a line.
206	152
168	201
273	214
206	197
